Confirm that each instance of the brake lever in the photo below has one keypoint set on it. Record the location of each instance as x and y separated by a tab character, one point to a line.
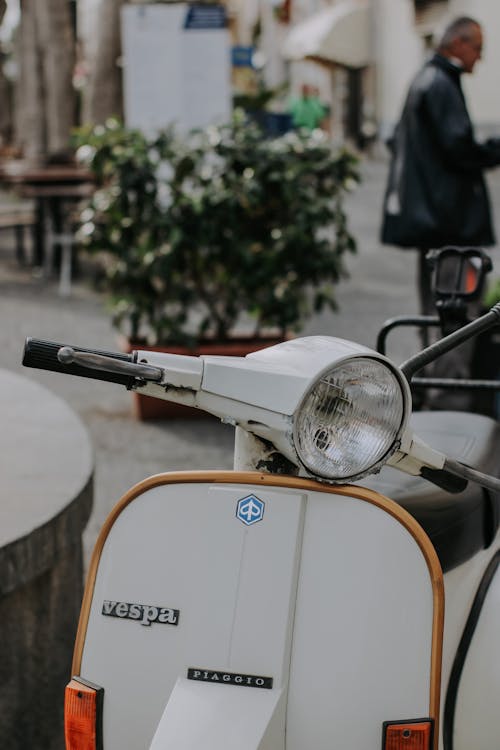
69	356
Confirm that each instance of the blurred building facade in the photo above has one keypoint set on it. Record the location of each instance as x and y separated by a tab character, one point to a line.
362	54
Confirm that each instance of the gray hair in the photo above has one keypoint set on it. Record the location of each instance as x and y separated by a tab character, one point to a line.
460	28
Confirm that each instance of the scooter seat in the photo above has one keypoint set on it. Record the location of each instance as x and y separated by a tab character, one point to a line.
458	525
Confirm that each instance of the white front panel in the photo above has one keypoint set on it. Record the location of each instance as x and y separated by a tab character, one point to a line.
328	595
181	546
363	628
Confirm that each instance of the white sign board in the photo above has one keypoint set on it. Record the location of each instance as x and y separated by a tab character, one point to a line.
176	67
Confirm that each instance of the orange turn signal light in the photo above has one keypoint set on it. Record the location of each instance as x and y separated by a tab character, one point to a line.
83	715
408	735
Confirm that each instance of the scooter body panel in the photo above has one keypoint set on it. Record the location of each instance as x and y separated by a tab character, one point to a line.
304	596
478	690
364	611
226	717
232	585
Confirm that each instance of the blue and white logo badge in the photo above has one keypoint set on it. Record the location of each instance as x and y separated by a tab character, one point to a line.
250	510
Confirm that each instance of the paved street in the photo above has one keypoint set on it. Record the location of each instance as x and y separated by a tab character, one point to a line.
381	285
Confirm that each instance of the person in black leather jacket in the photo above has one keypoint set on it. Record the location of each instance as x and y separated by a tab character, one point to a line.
436	193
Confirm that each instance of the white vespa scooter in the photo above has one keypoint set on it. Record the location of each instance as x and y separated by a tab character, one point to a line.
280	606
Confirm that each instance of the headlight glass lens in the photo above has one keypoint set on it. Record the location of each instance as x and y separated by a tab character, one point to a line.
350	419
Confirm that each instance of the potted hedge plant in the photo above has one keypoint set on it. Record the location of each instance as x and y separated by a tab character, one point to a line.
218	237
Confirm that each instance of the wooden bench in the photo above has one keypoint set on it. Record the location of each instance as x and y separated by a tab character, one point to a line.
55	190
57	204
18	218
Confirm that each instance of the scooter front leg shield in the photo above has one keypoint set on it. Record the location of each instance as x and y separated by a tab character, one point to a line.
223	600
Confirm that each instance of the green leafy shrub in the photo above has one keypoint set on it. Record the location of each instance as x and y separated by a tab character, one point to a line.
492	295
220	229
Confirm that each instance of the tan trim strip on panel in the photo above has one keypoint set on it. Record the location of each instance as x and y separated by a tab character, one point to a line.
236	477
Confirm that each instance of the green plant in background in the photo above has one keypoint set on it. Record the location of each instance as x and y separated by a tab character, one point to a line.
259	100
124	221
492	295
220	229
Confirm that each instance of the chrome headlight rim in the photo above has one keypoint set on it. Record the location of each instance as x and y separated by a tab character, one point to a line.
382	460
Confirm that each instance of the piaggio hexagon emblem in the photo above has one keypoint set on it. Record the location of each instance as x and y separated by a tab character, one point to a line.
250	510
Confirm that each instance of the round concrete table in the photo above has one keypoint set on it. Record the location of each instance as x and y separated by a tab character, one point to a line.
45	502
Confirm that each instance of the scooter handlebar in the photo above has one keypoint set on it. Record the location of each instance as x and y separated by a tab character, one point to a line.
43	356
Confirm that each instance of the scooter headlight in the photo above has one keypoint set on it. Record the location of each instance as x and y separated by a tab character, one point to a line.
351	419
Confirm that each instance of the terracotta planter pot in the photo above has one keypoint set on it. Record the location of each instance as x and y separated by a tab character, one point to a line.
149	408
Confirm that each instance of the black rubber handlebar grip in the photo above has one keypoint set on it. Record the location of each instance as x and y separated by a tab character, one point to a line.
43	356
